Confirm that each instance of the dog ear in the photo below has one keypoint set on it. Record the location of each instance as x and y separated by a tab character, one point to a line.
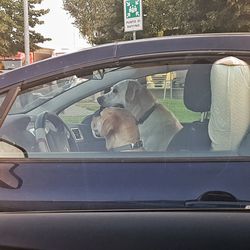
133	87
109	125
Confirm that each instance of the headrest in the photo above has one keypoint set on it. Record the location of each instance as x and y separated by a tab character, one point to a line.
197	90
230	107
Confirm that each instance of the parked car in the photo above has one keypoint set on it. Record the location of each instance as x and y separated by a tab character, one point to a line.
184	184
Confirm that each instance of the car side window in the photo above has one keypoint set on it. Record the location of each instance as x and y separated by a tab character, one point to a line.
78	118
77	112
168	89
171	111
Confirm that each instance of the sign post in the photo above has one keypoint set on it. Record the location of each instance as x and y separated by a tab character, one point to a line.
133	20
26	31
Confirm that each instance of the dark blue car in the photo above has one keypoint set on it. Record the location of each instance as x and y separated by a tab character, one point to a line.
132	145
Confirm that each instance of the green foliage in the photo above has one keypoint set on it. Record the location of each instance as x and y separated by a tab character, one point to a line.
12	26
175	105
206	16
102	21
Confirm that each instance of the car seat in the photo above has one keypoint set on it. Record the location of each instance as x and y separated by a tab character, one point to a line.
230	106
197	98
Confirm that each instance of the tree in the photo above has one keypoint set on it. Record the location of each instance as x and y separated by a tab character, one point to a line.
94	19
12	26
102	21
204	16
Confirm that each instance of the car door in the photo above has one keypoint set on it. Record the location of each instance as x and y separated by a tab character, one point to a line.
65	172
97	175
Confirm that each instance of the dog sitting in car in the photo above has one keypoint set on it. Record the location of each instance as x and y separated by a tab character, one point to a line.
157	125
118	127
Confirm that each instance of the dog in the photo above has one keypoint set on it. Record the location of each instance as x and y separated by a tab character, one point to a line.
118	127
157	125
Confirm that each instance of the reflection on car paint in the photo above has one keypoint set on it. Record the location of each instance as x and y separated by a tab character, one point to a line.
8	178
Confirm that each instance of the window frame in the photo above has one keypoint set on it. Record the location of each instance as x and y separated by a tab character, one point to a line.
154	157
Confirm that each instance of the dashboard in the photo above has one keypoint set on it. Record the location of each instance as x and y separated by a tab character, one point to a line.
20	129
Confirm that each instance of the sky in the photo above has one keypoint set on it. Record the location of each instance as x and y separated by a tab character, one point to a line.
58	26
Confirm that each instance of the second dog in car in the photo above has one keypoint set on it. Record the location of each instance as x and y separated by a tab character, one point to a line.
119	128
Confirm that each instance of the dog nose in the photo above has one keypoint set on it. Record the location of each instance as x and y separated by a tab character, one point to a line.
100	100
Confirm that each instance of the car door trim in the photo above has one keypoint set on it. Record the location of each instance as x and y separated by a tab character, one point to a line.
8	102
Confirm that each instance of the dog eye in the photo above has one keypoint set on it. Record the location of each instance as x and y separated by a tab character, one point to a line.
115	91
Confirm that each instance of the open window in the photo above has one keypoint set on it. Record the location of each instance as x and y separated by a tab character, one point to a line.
156	109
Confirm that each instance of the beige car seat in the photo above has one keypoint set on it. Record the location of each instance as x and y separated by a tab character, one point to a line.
230	103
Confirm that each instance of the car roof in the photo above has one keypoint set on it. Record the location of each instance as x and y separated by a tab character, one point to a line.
119	51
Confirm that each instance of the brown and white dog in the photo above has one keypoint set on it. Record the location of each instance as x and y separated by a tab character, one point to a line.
157	125
118	127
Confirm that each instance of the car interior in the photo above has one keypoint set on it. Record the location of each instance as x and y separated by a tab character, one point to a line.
202	93
197	98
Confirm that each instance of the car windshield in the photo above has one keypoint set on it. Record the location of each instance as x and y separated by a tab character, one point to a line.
38	95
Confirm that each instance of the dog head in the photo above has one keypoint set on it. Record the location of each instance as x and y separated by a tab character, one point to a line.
118	127
105	123
121	94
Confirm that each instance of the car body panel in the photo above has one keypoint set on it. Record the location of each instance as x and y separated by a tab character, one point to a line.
126	182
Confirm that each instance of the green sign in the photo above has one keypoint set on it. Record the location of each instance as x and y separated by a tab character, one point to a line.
133	15
133	8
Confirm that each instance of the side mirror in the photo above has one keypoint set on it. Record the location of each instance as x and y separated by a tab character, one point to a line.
10	150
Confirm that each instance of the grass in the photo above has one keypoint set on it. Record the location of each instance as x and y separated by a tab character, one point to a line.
88	106
72	119
175	105
181	112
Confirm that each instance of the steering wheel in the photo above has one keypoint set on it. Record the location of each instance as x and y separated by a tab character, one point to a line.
53	135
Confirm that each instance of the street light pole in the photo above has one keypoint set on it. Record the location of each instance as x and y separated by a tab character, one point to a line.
26	31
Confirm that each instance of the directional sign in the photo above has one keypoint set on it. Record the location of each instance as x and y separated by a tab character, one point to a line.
133	15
